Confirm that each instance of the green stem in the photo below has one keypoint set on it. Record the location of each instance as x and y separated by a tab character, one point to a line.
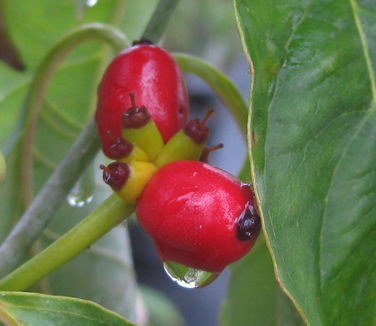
220	83
109	214
41	80
226	90
158	22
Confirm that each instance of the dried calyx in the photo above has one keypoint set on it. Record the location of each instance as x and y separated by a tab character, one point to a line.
115	174
142	40
197	129
136	116
119	148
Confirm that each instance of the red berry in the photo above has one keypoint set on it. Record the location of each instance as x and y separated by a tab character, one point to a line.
198	215
152	75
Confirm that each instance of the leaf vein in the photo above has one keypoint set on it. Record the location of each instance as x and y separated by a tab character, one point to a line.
359	26
44	160
325	128
366	11
14	89
55	109
335	171
55	127
287	45
289	40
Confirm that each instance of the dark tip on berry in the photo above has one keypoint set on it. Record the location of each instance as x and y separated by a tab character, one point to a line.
115	174
119	148
143	40
197	130
248	225
136	116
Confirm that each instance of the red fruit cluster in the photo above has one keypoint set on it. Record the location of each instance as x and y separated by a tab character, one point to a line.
197	215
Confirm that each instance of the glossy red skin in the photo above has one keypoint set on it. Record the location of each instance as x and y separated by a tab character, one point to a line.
152	74
190	210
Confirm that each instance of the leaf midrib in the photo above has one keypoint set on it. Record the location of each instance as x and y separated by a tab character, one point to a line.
359	26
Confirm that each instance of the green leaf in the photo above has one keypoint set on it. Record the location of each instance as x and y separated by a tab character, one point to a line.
161	311
251	294
286	313
30	309
313	118
103	273
253	297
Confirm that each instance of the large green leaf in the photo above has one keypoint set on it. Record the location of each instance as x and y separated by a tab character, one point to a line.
313	148
104	273
29	309
161	311
253	297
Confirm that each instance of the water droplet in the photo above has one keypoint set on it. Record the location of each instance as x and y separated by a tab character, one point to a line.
91	3
82	192
76	198
188	277
81	6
